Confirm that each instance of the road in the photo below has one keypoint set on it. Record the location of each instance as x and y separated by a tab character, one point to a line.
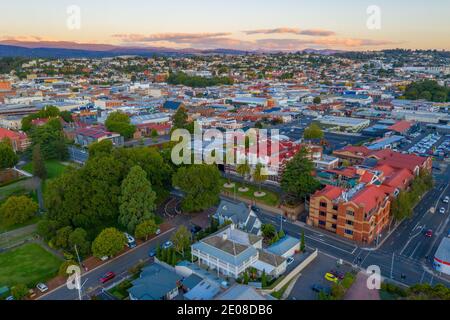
119	266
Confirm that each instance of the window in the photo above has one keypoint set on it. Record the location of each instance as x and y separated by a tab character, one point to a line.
322	214
349	222
322	223
350	213
335	207
335	217
349	232
323	204
334	226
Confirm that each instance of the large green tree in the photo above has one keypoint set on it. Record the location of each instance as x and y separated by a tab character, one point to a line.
108	243
313	132
137	200
79	239
181	239
120	122
146	229
297	179
180	118
39	169
201	185
8	157
17	209
51	139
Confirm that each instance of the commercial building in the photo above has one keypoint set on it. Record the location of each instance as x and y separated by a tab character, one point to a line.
346	123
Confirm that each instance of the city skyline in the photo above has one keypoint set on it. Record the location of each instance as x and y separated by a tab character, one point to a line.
282	26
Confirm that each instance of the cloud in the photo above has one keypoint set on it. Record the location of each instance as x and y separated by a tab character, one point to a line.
223	40
171	37
296	31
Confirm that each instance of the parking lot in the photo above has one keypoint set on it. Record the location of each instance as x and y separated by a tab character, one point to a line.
315	274
432	144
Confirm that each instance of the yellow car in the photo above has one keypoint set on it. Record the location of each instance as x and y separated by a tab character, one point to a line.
331	278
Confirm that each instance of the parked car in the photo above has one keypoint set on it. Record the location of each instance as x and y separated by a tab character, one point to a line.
429	233
318	288
42	287
442	210
131	242
338	274
256	209
107	277
152	253
195	229
167	245
158	232
332	278
446	199
290	260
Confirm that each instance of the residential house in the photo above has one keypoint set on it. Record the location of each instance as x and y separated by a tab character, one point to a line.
241	215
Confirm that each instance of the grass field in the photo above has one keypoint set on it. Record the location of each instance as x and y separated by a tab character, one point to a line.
28	264
54	168
270	199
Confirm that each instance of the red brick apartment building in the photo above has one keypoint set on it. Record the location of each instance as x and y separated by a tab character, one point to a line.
358	214
362	212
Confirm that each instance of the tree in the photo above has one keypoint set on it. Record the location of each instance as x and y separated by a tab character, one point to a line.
259	176
313	132
17	209
64	266
51	139
268	231
79	239
243	170
102	148
181	240
154	135
317	100
39	169
281	234
297	180
120	122
146	229
264	279
61	239
8	157
180	118
108	243
302	243
137	200
19	291
201	185
47	228
66	116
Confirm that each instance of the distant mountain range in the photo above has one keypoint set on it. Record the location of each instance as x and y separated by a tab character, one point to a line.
64	49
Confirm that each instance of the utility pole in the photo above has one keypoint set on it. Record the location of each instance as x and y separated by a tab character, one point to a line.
392	266
78	279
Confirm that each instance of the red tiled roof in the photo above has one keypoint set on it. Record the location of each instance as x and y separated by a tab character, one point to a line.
401	126
330	192
356	150
399	179
398	160
5	133
369	197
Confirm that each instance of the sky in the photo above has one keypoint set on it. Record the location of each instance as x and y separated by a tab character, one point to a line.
243	24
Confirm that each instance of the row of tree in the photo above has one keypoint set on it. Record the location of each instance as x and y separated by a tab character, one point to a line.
196	81
429	90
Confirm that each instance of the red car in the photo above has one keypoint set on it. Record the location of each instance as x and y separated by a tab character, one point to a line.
429	233
107	277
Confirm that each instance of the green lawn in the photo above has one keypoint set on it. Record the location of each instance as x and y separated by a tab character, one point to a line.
270	199
28	264
54	168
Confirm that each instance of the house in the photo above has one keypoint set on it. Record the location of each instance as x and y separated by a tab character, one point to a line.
19	140
231	252
156	282
241	215
87	136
